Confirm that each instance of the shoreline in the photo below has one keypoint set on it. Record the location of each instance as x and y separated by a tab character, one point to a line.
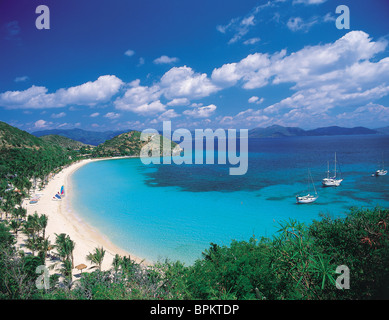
62	218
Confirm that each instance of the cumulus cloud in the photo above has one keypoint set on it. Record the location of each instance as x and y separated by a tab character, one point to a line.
255	99
94	115
323	74
372	115
58	115
254	71
246	119
179	85
165	60
183	82
167	115
90	94
129	53
201	112
178	102
112	115
40	124
141	99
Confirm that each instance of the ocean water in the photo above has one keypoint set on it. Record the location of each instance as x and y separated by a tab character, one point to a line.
176	211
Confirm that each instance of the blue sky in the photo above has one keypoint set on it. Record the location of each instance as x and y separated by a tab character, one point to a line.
115	65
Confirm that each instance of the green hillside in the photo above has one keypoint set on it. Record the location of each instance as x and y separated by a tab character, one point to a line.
63	142
25	158
11	137
125	144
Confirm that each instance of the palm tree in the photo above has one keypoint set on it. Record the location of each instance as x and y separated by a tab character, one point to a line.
44	247
42	222
33	244
116	263
69	248
96	257
15	225
65	247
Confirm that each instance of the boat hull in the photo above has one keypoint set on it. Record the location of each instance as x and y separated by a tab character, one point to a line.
331	182
306	199
381	173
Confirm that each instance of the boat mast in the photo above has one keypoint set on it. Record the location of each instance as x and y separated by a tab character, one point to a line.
382	161
314	188
335	166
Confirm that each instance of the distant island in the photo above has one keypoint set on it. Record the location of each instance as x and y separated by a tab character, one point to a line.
96	138
277	131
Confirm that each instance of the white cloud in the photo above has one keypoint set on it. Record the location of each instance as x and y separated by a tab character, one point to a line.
141	61
251	41
29	98
239	27
201	112
40	124
178	102
255	99
297	24
150	108
165	60
347	57
179	85
90	94
325	78
371	115
254	70
183	82
141	99
21	79
246	119
129	53
94	115
167	115
58	115
112	115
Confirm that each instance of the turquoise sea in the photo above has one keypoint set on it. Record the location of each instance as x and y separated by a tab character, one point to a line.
176	211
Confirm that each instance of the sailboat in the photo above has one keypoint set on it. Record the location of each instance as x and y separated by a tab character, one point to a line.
380	172
56	197
331	181
62	192
308	198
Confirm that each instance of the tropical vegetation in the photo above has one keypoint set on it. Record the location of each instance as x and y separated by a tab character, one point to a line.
300	262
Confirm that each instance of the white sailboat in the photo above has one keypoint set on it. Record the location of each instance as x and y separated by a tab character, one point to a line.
380	172
308	198
331	181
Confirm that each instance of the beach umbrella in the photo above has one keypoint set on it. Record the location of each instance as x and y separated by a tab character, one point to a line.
80	267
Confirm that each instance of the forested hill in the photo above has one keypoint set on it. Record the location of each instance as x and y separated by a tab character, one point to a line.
24	157
64	142
11	137
128	144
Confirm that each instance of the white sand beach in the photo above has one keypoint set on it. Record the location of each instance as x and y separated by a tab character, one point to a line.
63	219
